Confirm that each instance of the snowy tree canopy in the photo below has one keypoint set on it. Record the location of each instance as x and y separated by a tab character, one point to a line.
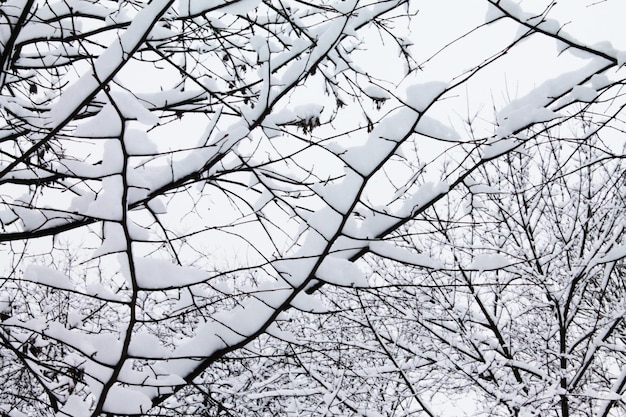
292	208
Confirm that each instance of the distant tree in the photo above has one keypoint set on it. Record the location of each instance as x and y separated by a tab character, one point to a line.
527	316
195	198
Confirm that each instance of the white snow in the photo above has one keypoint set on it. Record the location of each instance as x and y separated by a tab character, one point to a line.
108	204
421	197
5	302
132	109
31	219
235	7
232	325
615	254
484	189
341	272
114	239
160	274
532	108
74	406
390	251
599	81
48	276
376	92
515	118
309	303
493	13
260	46
99	291
499	147
433	128
124	400
583	93
105	124
340	194
308	111
111	163
489	262
324	221
147	345
137	142
7	217
157	206
421	96
381	141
